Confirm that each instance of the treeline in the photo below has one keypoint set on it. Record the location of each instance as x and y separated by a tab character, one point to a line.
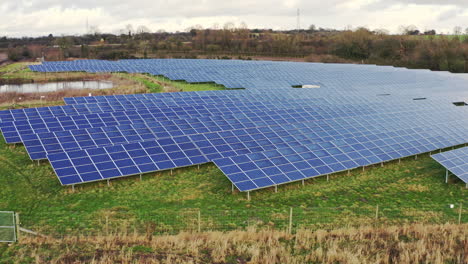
411	49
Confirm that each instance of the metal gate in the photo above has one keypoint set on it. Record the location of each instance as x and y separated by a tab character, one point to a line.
7	227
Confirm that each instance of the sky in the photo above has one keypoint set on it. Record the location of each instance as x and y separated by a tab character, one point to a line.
69	17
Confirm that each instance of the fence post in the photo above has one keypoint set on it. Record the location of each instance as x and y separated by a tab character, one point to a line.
290	219
460	214
377	212
199	221
17	226
107	225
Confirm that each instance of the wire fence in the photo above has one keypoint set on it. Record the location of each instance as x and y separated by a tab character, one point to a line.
7	226
125	221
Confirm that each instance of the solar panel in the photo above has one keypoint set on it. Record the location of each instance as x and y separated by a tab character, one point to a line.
455	161
264	135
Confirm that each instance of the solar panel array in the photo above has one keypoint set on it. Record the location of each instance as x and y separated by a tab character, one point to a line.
270	75
264	135
455	161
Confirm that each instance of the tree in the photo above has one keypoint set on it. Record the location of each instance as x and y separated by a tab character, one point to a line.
143	29
430	32
13	54
381	31
129	29
312	28
457	30
84	51
409	30
229	26
354	45
94	30
243	26
64	44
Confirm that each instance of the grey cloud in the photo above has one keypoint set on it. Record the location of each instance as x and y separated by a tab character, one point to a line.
450	14
33	17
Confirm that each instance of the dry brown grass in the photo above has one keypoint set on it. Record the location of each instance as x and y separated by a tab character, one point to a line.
398	244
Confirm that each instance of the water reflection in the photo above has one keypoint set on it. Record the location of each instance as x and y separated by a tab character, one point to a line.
54	86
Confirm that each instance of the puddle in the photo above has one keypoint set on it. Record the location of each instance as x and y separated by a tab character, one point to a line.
54	86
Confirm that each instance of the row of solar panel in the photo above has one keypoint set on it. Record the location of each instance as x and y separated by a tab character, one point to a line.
180	153
228	99
254	74
259	170
455	161
39	145
13	131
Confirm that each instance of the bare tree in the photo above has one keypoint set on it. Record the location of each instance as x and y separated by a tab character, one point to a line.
457	30
129	29
381	31
409	30
243	26
229	26
94	30
198	27
143	29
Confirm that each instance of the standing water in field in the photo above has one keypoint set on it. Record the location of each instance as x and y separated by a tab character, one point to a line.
54	86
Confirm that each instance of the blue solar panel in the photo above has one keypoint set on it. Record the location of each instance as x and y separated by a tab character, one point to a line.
455	161
49	142
265	135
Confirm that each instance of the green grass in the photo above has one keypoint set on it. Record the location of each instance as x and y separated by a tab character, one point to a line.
414	188
450	37
188	87
158	84
14	67
6	219
6	222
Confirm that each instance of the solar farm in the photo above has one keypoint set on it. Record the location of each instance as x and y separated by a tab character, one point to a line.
262	131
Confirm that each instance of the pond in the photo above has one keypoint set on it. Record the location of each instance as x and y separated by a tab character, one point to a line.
54	86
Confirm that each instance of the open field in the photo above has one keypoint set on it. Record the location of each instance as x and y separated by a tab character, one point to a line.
450	37
418	243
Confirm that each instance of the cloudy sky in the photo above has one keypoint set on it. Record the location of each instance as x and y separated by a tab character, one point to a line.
41	17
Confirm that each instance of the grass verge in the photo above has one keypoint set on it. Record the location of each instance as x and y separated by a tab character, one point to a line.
395	244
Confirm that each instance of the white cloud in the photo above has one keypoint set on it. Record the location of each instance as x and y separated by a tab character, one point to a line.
41	17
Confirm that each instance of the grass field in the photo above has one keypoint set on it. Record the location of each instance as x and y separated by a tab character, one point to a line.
450	37
411	191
